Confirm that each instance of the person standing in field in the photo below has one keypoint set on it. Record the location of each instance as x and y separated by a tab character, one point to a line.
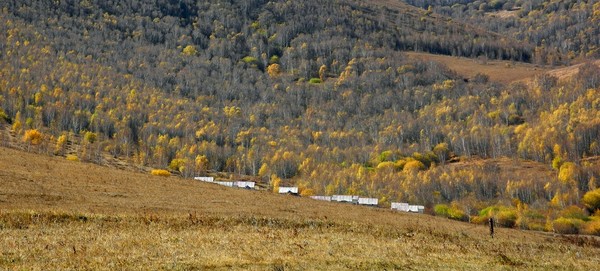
491	221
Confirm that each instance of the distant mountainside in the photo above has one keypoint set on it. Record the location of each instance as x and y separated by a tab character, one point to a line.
317	94
560	31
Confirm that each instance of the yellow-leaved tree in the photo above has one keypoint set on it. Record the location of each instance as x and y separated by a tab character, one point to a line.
591	200
274	70
33	137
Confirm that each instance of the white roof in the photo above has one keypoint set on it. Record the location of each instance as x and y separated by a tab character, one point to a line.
205	179
401	206
325	198
288	189
368	201
347	198
244	184
229	184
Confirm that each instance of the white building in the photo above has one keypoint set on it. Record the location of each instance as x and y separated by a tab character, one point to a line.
288	190
228	184
323	198
368	201
205	179
344	198
416	209
400	206
242	184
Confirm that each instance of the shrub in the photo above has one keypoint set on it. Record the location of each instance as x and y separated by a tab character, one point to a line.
574	212
90	137
441	210
479	219
592	227
160	172
250	60
413	166
33	137
531	220
457	214
489	211
4	116
385	156
591	200
315	81
535	226
507	218
567	225
177	164
307	192
72	157
190	50
451	212
400	164
387	165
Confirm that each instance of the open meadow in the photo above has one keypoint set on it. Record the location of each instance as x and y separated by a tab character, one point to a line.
497	70
58	214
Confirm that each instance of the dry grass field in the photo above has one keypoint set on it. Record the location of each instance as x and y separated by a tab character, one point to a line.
497	70
57	215
570	71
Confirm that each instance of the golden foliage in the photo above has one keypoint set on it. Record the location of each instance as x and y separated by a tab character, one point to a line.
72	157
190	50
33	137
160	172
413	166
61	143
274	70
591	199
90	137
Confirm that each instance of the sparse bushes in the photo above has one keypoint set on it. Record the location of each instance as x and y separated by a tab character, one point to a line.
452	212
61	143
160	172
574	212
567	225
507	218
531	220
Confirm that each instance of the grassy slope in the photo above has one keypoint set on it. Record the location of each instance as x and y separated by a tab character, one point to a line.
57	214
497	70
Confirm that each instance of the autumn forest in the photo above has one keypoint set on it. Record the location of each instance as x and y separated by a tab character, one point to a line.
321	95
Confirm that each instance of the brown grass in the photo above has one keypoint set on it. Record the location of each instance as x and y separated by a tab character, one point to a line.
568	72
498	71
58	214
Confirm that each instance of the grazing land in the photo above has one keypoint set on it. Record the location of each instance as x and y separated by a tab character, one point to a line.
497	70
59	214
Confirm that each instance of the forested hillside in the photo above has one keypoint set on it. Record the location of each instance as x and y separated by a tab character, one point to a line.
560	31
316	94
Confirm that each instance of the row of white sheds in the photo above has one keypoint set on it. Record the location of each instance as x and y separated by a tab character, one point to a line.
240	184
405	207
399	206
349	199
